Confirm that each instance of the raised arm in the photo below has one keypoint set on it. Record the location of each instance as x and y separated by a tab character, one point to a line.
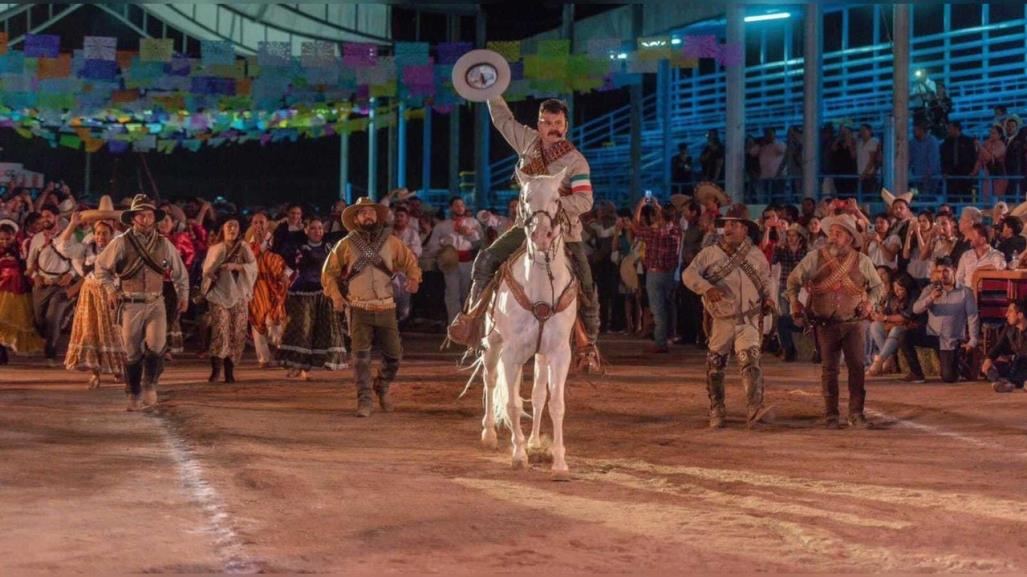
516	134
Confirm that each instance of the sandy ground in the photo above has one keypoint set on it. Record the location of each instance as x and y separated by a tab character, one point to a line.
277	476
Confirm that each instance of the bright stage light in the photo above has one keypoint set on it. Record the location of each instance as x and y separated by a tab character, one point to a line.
766	17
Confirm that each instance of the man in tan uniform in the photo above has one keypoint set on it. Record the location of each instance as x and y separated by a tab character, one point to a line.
843	288
732	277
546	150
141	258
358	275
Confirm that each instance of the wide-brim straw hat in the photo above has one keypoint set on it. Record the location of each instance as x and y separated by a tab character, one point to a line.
447	259
10	223
799	229
629	271
176	213
349	215
1019	211
679	200
740	213
402	194
141	202
847	223
706	191
890	197
104	211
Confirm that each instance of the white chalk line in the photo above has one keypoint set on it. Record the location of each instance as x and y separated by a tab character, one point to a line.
228	544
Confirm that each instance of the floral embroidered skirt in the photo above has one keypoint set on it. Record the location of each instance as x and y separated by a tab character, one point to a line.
96	343
228	330
313	335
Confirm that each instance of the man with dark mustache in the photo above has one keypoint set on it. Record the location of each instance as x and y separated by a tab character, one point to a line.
545	150
51	273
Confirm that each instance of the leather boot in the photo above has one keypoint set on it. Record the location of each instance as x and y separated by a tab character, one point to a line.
133	384
831	412
362	372
484	268
390	367
752	382
715	388
215	370
3	355
153	366
229	370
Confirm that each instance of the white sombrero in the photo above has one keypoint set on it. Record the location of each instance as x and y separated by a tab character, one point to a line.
480	75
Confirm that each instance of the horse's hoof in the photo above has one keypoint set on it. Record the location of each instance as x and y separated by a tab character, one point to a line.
561	475
490	442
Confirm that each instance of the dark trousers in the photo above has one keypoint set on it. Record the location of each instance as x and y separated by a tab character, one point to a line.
835	339
50	305
1013	371
690	311
948	360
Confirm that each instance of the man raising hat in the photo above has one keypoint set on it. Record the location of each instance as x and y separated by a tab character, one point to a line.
141	258
732	276
844	288
358	275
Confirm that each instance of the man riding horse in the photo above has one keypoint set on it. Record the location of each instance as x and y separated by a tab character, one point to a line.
544	150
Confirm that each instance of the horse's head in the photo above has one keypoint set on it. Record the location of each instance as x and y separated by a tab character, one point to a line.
540	206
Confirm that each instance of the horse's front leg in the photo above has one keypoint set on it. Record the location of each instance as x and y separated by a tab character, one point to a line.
490	375
559	363
538	401
512	365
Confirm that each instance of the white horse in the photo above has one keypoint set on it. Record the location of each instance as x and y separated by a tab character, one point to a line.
533	314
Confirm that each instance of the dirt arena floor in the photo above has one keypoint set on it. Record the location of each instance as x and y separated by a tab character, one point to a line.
271	475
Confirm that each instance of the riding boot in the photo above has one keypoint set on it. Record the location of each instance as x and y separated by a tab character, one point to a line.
229	370
153	366
715	388
133	382
362	373
3	355
752	382
215	369
484	268
390	367
831	411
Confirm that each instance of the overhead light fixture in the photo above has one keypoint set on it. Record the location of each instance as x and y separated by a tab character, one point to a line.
766	17
675	41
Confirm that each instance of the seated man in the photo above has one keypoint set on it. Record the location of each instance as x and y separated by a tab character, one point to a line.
1006	375
951	318
545	150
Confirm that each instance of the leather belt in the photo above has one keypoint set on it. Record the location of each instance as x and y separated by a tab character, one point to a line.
141	297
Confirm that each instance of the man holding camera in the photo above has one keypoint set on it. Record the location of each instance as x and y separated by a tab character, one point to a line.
951	317
1005	363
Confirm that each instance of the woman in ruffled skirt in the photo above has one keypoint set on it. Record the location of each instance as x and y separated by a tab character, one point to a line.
17	331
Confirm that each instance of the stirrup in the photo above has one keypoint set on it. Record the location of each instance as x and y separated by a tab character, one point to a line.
588	360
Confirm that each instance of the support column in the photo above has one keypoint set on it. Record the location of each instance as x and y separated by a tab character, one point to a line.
663	84
567	33
812	55
426	152
636	114
453	32
482	131
89	173
392	150
344	189
401	160
900	98
372	153
734	163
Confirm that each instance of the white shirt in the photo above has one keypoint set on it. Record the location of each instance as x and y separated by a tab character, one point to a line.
82	254
876	253
411	239
864	152
45	259
970	263
445	234
229	288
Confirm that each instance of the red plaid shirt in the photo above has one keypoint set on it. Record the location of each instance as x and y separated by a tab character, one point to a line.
661	246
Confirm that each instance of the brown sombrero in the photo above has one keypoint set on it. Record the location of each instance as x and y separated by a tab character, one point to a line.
105	211
141	202
706	191
349	215
739	212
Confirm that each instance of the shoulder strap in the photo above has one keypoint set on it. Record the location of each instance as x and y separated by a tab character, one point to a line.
733	261
144	253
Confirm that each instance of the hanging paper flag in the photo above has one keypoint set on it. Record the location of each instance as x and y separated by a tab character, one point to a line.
123	96
639	65
679	60
117	146
383	90
3	43
411	53
42	45
730	55
317	54
70	141
59	67
93	144
700	47
180	65
359	55
166	146
216	52
100	47
509	50
654	48
100	70
418	75
212	85
156	49
553	48
450	52
604	47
